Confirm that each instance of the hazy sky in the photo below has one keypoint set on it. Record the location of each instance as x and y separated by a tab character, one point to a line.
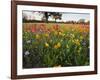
65	16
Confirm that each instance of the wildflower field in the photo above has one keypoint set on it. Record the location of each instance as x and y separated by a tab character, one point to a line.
55	45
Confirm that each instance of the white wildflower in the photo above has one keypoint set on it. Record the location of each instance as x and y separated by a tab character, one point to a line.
29	41
27	53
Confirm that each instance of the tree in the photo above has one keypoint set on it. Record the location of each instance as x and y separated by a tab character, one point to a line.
46	15
82	21
24	17
55	15
88	22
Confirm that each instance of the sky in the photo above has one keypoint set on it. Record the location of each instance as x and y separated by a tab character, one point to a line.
66	16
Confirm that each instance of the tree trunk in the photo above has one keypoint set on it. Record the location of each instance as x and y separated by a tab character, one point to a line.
46	16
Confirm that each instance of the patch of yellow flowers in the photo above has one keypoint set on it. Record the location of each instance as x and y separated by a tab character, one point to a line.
55	32
76	41
58	45
37	36
67	46
72	35
61	34
46	44
46	35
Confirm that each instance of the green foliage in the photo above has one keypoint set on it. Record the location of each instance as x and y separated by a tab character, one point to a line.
67	48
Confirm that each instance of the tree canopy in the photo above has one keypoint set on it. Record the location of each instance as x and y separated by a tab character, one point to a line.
55	15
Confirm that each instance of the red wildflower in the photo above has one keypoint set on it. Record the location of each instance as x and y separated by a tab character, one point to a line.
33	29
56	27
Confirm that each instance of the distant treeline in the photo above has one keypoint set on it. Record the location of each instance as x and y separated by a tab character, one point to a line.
68	22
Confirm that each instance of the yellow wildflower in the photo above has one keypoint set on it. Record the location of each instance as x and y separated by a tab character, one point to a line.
46	44
55	46
81	37
58	45
72	35
72	29
47	35
60	33
77	42
67	46
56	33
37	36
